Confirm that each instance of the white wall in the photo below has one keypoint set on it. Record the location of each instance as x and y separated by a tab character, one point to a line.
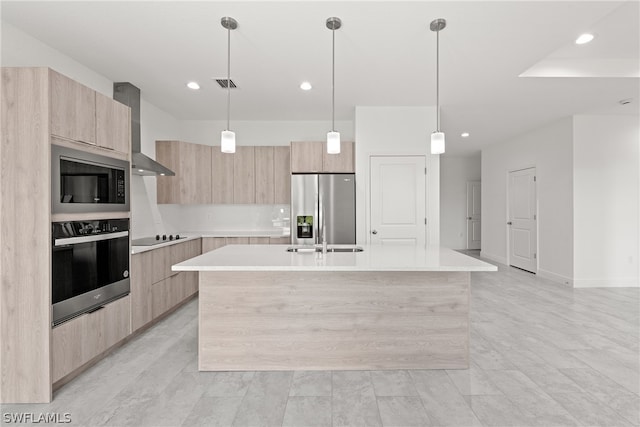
395	130
455	172
606	163
19	49
550	150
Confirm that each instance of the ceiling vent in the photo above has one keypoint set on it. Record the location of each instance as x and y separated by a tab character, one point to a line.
223	83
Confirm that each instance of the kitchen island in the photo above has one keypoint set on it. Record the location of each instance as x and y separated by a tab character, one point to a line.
387	307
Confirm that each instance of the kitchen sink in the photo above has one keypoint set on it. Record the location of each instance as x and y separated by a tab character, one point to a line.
330	248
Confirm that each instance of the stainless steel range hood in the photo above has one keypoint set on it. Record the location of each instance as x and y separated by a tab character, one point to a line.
129	95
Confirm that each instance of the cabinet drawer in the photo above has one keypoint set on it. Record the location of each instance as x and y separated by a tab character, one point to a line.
79	340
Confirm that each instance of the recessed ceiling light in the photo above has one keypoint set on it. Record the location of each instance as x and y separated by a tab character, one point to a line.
464	134
140	170
584	38
193	85
305	86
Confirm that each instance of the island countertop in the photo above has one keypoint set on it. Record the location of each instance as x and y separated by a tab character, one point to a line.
372	258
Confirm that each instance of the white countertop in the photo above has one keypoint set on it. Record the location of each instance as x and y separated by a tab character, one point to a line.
271	233
140	249
373	258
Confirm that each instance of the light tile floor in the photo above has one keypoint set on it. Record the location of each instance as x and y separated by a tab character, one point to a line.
542	355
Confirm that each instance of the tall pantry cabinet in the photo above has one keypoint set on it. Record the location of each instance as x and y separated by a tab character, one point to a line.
40	106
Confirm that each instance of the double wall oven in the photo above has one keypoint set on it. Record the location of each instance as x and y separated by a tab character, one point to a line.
90	258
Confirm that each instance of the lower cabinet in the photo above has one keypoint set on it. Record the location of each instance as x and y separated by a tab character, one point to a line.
211	243
79	340
155	289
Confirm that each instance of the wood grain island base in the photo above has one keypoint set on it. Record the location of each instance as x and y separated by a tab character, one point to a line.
260	320
387	307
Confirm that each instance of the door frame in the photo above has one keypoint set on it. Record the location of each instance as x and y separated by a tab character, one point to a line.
368	192
508	231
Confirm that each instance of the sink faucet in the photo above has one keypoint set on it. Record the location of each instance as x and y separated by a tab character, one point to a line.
324	234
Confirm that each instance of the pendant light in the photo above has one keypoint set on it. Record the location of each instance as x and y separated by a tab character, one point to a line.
437	137
333	137
228	138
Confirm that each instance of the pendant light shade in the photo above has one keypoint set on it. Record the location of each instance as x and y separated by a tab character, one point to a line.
437	137
227	137
333	137
437	143
228	141
333	142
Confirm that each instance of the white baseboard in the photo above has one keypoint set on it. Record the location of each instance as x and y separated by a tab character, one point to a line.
492	257
615	282
558	278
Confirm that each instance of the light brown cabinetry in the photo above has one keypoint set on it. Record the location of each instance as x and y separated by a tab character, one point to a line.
211	243
282	175
265	175
244	177
312	157
73	109
221	177
157	289
192	165
280	240
41	106
342	162
306	156
205	175
79	340
113	124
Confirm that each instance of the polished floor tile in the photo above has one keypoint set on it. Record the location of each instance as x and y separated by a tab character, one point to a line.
542	354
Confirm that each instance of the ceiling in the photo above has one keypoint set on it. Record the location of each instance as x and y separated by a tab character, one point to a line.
506	67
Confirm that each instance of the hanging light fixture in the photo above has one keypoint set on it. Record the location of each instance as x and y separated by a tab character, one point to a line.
333	137
437	137
228	138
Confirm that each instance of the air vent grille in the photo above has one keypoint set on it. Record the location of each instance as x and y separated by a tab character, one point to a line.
223	83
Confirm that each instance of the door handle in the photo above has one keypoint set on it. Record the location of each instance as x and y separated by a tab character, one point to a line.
374	232
469	218
509	223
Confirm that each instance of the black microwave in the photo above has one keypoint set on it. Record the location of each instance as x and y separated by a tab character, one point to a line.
87	182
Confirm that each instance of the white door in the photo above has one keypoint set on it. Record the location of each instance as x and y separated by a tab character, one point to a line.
522	219
473	215
398	200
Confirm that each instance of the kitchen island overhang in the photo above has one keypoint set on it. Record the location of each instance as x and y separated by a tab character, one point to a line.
388	307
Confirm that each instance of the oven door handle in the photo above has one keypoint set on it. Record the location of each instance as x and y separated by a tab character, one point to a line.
87	239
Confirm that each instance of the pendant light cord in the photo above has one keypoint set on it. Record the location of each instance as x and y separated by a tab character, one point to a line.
228	75
438	80
333	80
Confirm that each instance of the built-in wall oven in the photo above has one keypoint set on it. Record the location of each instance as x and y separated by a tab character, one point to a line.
87	182
90	266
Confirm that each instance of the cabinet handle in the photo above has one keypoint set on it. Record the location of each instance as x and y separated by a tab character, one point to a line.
509	223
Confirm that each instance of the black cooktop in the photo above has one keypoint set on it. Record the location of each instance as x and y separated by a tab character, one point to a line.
150	241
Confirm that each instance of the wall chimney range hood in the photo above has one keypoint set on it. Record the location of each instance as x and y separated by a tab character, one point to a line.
129	95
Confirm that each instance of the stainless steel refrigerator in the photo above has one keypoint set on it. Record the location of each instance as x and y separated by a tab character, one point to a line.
323	200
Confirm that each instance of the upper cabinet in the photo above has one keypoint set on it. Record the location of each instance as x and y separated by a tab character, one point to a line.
343	162
221	176
312	157
282	175
113	124
251	175
306	156
192	165
244	176
73	109
81	114
265	175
